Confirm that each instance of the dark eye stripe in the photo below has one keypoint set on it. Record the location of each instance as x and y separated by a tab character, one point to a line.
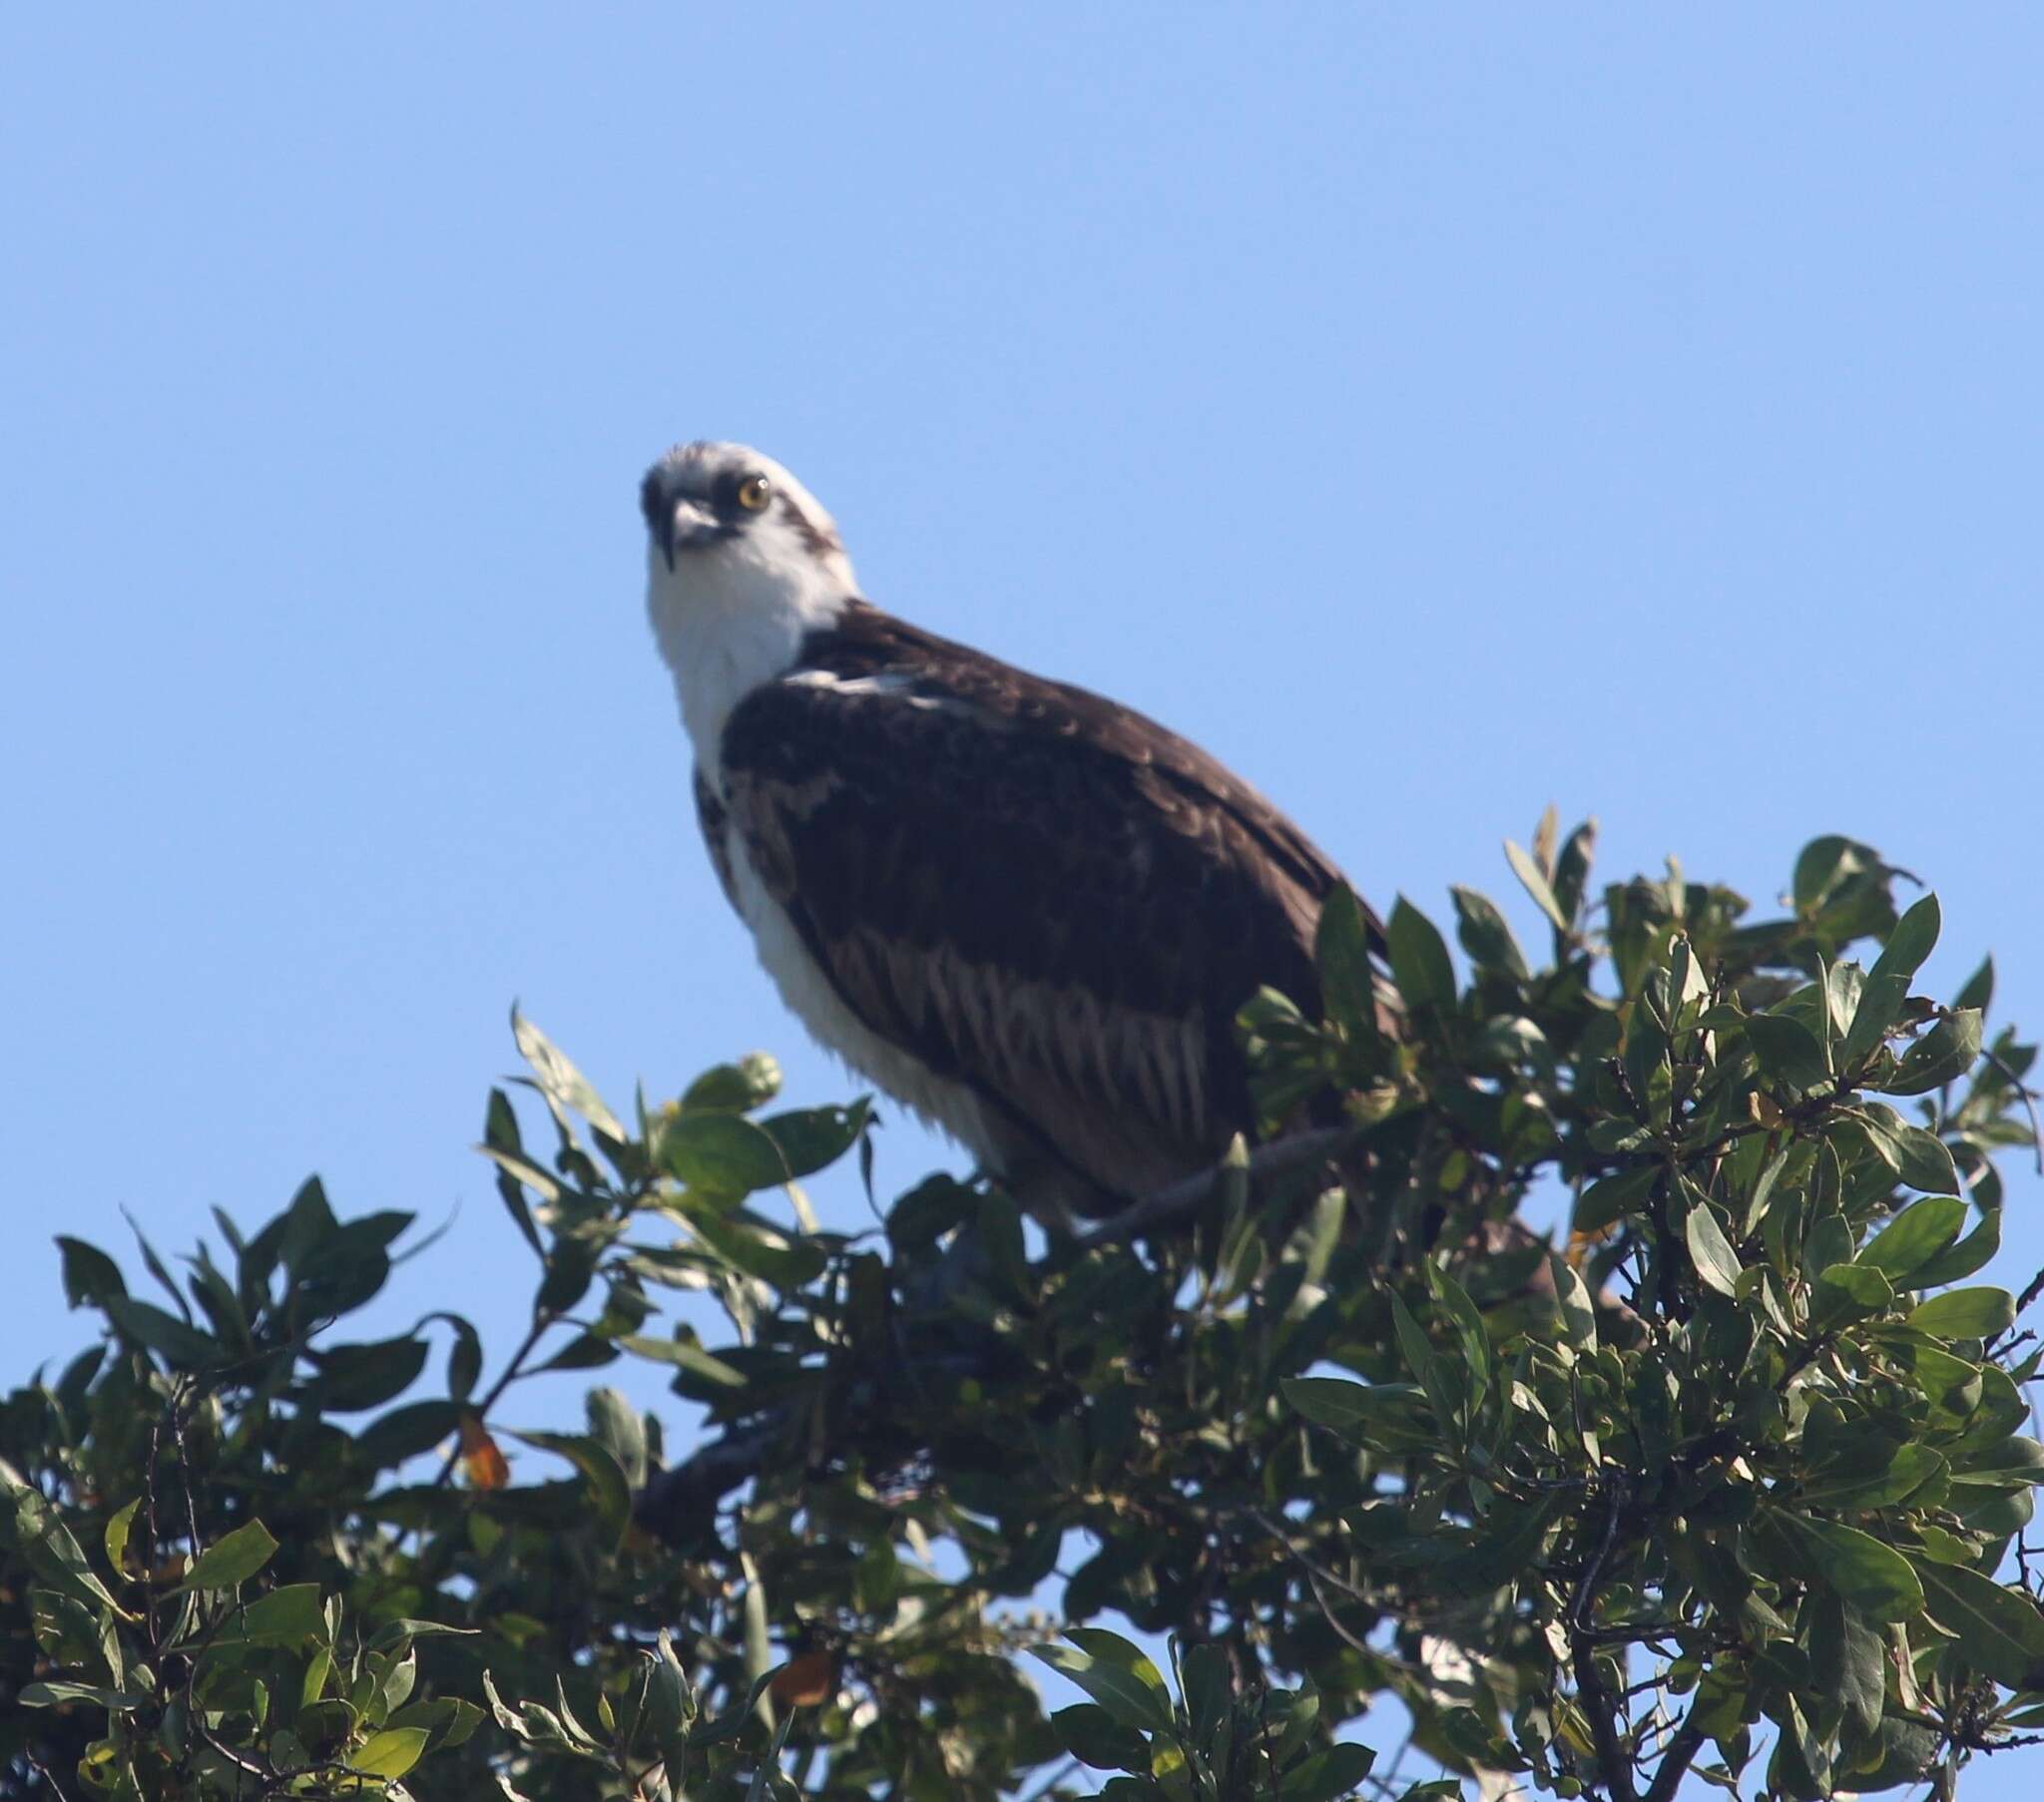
725	491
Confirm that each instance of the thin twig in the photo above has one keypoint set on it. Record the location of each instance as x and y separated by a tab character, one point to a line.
1327	1614
541	1321
1686	1743
41	1770
1613	1764
1306	1564
2027	1096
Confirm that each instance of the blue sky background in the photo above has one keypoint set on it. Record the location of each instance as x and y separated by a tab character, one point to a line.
1435	414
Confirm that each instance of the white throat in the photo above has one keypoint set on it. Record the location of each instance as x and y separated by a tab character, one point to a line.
726	621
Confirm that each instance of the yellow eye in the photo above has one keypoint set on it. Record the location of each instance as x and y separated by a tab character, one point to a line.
752	493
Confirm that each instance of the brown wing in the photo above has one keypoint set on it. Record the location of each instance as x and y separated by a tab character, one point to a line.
1029	889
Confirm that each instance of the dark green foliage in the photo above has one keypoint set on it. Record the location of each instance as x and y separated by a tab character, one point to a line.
1726	1487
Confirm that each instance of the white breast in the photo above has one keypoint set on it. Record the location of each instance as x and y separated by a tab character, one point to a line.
807	989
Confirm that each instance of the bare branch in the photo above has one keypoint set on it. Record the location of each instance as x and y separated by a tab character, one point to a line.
1614	1763
1279	1158
1675	1756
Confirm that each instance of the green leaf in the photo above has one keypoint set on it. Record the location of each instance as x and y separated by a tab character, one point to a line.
353	1377
464	1359
1788	1051
1914	1236
1843	985
1110	1681
1349	986
1096	1738
617	1424
1861	1679
570	1268
584	1352
1419	958
51	1695
1328	1775
1801	1765
1966	1313
391	1753
1942	1056
1572	868
1718	1265
1989	1456
1978	989
1999	1631
1973	1253
722	1154
283	1618
1112	1648
1900	1477
1474	1337
1294	1712
397	1636
50	1547
449	1718
183	1346
565	1088
91	1277
501	1142
687	1354
1887	983
404	1432
1572	1297
74	1634
757	1250
752	1082
1208	1680
1950	1382
232	1558
1927	1162
1536	884
1508	1548
117	1529
1849	1292
1609	1198
1873	1578
1392	1416
1826	864
811	1138
1485	935
1442	1390
607	1490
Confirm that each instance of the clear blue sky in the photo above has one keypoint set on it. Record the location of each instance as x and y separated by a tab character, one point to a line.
1437	414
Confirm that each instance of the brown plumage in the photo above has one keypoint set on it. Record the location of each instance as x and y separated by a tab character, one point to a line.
1027	912
1035	892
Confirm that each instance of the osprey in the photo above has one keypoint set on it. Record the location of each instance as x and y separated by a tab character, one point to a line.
1026	912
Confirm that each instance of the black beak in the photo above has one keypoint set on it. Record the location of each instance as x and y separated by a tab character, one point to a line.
659	514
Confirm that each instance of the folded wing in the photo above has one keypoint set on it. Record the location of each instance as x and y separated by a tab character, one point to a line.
1028	889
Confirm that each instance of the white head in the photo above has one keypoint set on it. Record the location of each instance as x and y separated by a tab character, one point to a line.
742	564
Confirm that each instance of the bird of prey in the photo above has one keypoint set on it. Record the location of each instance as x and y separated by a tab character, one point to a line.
1026	912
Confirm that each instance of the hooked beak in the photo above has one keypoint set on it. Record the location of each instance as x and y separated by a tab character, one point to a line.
678	520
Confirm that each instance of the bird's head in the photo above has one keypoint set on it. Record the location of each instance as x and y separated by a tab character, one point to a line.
742	564
728	529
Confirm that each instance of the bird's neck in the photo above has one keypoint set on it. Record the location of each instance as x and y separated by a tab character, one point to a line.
722	638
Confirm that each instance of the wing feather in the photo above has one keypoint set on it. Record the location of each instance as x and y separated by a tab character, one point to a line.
1027	888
